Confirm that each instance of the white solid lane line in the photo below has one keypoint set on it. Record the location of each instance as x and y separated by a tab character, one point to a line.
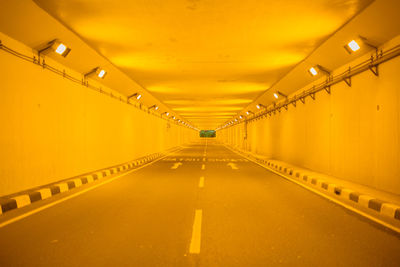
201	182
195	242
203	167
29	213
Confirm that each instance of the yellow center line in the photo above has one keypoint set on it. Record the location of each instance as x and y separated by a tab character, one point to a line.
195	242
201	182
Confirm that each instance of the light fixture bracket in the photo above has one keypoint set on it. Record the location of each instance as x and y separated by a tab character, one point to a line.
374	70
51	45
282	94
368	43
347	80
94	71
328	89
133	95
324	70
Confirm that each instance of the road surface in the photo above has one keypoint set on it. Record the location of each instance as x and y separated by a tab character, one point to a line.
201	206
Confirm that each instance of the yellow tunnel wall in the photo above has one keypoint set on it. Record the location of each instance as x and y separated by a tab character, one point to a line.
353	133
53	128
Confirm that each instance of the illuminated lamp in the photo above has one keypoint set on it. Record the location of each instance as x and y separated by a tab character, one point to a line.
313	71
155	107
96	71
136	95
57	47
355	45
279	93
352	46
259	106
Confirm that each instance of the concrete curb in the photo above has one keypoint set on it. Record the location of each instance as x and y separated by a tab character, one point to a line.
25	198
316	180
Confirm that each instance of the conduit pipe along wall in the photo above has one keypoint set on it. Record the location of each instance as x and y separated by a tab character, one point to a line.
352	133
53	128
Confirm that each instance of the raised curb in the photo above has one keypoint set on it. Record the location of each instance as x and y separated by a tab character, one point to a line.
25	198
316	180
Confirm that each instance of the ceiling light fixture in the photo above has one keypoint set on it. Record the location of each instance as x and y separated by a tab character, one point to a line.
57	47
137	95
279	93
259	106
96	71
313	71
355	45
155	107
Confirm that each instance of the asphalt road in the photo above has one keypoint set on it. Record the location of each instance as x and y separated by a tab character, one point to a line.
238	214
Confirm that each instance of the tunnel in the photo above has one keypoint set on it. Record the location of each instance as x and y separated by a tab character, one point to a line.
200	133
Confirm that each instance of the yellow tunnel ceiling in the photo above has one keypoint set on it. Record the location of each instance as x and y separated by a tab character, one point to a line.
200	57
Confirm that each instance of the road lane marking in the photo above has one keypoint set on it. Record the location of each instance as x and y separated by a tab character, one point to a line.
22	216
204	159
201	182
195	242
176	165
233	166
362	213
203	167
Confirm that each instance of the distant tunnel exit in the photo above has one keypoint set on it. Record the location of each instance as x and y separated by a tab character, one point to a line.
208	133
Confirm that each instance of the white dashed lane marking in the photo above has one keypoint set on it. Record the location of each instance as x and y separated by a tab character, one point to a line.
176	165
195	242
233	166
201	182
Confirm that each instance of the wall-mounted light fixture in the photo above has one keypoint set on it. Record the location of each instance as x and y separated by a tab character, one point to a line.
136	95
313	71
259	106
155	107
96	71
278	93
249	112
240	117
355	45
57	47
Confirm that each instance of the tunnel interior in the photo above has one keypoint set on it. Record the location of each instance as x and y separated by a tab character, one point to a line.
244	129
